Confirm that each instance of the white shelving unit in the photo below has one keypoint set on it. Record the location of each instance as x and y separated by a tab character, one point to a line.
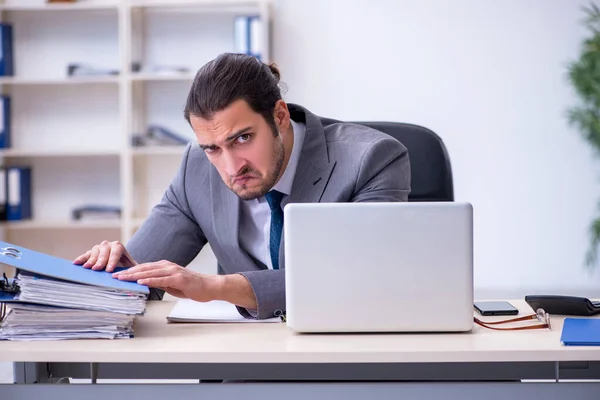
75	132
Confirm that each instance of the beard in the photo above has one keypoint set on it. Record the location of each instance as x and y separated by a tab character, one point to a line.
278	156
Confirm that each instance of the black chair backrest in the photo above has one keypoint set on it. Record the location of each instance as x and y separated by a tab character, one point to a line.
431	171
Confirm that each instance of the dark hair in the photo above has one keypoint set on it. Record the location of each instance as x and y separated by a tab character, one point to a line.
231	77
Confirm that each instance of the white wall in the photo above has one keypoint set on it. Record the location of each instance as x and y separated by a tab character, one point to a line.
489	78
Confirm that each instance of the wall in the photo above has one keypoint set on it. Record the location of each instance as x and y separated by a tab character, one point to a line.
489	78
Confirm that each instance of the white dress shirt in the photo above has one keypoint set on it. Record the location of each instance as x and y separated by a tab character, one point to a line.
255	215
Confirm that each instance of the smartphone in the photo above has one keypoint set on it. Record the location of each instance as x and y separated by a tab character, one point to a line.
495	308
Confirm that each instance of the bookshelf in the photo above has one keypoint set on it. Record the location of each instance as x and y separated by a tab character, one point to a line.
76	132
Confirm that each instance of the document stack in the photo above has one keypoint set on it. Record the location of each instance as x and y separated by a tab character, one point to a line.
52	299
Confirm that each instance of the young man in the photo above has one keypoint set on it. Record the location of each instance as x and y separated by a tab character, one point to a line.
254	154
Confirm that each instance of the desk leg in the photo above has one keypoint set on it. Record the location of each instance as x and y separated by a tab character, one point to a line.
94	372
30	372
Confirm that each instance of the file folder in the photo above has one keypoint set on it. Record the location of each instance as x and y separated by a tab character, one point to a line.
58	268
6	50
581	332
19	193
3	194
7	297
5	125
51	298
247	35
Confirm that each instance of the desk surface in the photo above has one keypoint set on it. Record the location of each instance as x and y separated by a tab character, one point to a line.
157	341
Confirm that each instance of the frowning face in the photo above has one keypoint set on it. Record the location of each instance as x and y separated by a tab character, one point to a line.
248	153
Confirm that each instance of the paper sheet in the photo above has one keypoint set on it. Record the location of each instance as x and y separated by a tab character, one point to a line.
187	310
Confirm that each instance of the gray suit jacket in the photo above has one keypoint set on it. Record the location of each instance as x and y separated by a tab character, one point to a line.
339	163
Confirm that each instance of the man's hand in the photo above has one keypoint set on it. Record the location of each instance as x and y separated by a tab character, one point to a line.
184	283
106	255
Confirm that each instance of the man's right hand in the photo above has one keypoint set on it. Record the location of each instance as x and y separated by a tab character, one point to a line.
106	255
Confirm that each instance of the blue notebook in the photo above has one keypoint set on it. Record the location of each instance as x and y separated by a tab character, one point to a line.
581	332
54	267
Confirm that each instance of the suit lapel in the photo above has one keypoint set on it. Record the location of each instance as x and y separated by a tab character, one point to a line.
309	182
314	167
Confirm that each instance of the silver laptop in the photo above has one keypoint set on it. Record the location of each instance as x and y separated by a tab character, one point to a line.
379	267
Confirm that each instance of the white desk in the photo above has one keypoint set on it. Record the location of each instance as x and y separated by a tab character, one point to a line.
272	352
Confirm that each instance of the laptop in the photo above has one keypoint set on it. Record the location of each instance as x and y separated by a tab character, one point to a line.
379	267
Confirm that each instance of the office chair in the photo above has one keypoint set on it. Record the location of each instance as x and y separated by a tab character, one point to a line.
431	172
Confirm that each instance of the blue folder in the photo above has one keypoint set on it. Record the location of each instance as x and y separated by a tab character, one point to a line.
5	123
581	332
6	50
54	267
19	193
6	297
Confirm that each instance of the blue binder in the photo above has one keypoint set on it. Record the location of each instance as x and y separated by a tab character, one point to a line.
3	194
19	193
6	50
55	267
581	332
6	297
5	125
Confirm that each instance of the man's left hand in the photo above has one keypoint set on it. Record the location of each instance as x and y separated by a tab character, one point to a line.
173	279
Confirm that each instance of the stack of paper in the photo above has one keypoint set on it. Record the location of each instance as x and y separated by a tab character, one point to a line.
36	322
59	300
54	292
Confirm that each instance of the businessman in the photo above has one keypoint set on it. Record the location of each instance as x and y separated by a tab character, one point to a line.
253	155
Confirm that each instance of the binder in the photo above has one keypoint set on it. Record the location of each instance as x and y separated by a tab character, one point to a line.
95	211
41	264
255	49
581	332
8	290
161	134
3	194
51	298
5	123
19	193
247	35
6	297
6	50
241	35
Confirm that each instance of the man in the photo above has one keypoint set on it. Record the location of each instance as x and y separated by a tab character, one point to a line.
254	154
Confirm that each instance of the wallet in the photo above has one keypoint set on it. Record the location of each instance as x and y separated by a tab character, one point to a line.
564	305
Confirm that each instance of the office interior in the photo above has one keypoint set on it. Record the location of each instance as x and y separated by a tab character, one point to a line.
490	78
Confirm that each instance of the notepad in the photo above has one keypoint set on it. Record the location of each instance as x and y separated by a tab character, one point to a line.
581	332
215	311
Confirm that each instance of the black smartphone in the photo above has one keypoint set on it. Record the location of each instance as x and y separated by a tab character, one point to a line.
495	308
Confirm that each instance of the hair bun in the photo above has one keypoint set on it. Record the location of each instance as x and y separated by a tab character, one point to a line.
274	71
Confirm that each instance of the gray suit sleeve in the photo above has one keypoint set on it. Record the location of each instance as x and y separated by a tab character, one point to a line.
384	174
267	286
170	232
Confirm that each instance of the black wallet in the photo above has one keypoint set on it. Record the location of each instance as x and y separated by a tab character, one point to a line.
564	305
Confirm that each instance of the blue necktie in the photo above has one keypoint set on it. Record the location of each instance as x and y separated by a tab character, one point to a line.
274	199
